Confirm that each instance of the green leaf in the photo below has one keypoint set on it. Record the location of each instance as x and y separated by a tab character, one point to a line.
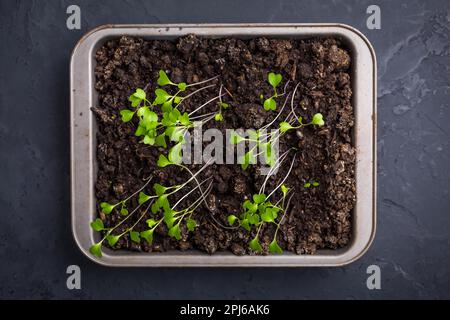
143	198
140	94
251	207
253	134
307	185
245	224
254	219
124	211
235	138
147	235
97	225
106	207
285	126
126	114
259	198
149	140
300	120
315	184
167	106
177	99
255	245
150	222
159	189
96	249
191	224
140	131
184	119
161	202
134	235
163	161
175	232
231	219
175	134
112	240
274	247
175	154
274	79
169	218
268	215
284	189
182	86
317	120
137	97
224	105
270	104
247	159
218	117
161	140
163	79
161	96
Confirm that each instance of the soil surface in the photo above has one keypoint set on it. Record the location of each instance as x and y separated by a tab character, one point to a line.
318	217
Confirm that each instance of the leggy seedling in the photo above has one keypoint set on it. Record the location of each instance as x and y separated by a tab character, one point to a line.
160	200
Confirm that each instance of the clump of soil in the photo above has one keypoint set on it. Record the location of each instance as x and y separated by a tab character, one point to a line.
318	217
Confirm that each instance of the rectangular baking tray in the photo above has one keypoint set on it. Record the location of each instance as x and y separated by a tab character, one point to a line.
83	144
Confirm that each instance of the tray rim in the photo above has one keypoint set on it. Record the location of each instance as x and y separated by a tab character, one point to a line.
178	259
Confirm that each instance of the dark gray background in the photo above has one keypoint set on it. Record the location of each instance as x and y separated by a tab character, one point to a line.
412	245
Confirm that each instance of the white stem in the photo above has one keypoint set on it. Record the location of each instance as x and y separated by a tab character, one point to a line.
287	175
187	194
201	82
206	103
292	101
280	160
278	115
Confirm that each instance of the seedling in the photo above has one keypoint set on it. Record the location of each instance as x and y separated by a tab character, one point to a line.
312	183
155	203
274	80
260	210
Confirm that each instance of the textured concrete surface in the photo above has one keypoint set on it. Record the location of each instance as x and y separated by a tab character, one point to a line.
412	246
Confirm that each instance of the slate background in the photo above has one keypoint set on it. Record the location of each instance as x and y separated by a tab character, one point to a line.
412	245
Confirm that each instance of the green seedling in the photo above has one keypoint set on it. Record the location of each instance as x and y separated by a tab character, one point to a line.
312	183
274	80
160	200
260	210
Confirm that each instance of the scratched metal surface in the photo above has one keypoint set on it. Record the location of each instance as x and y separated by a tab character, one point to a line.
412	246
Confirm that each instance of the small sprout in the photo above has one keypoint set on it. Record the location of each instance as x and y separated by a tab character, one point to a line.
218	117
175	154
284	189
317	120
255	245
191	224
112	240
97	225
182	86
247	159
315	184
231	219
143	198
135	236
312	183
124	211
307	185
96	249
274	80
106	207
224	105
274	247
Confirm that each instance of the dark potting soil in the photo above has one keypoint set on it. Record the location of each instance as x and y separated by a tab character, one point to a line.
318	217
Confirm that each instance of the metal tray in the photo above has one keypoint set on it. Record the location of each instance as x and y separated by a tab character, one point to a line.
83	143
